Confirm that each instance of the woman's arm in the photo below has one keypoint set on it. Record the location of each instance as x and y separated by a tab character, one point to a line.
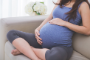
47	19
85	13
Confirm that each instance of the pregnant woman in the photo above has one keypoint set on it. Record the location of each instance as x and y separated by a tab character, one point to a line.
53	38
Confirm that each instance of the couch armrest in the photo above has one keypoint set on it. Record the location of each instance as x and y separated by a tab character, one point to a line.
25	23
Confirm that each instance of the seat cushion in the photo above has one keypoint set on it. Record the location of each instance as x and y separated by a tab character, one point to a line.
9	47
77	56
81	44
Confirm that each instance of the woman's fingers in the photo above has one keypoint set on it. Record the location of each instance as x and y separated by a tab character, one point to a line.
40	42
38	37
38	32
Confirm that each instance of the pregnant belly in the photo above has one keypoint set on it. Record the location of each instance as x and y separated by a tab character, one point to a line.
53	35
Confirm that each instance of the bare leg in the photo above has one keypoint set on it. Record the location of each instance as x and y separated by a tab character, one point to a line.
40	52
24	47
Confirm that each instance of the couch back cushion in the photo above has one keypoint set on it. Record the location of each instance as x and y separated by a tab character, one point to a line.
81	43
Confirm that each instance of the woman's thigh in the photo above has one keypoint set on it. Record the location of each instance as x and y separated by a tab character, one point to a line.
59	53
29	37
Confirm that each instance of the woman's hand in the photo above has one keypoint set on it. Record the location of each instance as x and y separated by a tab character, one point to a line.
37	36
57	21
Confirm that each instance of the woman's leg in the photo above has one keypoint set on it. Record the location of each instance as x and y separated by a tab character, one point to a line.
55	53
18	39
24	47
59	53
40	52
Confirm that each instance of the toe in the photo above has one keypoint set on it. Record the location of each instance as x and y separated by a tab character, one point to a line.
15	52
12	51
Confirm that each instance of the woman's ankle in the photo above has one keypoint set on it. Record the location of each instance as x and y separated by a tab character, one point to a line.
36	59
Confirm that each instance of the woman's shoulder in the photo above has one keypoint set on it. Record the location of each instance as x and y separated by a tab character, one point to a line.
84	5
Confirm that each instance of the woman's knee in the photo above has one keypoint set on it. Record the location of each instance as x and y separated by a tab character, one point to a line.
11	35
56	53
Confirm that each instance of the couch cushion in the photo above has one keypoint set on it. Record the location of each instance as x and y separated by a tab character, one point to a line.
77	56
9	47
81	44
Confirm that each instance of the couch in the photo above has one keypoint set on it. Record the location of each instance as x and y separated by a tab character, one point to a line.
81	42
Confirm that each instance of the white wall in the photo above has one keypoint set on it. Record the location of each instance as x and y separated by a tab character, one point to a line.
14	8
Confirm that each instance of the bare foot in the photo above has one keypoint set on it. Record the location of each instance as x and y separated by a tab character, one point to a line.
15	52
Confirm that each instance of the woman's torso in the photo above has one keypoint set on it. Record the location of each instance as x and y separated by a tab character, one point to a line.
54	35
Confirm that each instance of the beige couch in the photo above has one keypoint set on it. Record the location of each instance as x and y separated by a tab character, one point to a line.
81	43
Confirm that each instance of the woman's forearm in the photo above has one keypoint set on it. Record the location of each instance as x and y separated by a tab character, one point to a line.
77	28
44	22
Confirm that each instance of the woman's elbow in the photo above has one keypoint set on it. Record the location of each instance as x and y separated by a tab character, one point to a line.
88	33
